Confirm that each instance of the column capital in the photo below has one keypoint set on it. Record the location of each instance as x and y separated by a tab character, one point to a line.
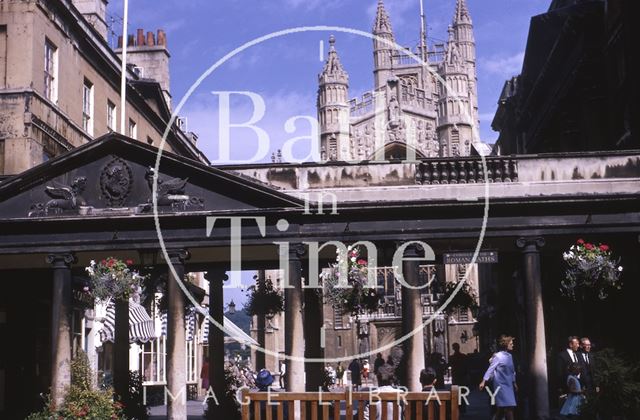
61	260
216	274
178	255
530	243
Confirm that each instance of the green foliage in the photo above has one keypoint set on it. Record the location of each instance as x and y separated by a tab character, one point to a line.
81	400
465	298
264	299
619	383
590	269
113	279
346	284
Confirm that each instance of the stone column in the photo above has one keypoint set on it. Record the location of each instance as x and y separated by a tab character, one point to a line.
294	331
313	323
176	346
60	325
121	351
260	327
413	357
534	314
216	277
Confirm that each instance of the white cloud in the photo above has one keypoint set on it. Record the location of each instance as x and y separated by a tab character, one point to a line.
202	114
311	4
504	66
396	10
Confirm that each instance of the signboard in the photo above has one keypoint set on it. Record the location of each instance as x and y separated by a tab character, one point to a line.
484	257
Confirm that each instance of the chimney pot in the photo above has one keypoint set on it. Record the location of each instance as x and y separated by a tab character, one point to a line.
140	40
131	41
151	41
120	41
162	38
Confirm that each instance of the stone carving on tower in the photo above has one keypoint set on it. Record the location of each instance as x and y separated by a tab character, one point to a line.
409	108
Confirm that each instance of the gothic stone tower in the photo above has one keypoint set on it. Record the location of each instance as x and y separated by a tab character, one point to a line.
458	104
408	109
333	108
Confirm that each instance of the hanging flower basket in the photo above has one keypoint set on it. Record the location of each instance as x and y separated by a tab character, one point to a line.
264	300
112	279
590	269
358	297
465	298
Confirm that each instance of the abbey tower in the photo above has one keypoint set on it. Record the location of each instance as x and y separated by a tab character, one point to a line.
424	101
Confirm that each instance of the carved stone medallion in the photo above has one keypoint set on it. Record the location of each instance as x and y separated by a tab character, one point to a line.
116	181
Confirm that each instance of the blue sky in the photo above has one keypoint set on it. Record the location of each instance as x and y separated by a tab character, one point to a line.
284	71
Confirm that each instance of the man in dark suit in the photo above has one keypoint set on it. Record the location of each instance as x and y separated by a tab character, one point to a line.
565	359
586	362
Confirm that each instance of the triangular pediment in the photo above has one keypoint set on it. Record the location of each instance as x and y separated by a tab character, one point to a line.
113	175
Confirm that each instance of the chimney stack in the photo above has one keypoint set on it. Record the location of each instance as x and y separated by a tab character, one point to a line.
140	38
150	53
162	38
95	12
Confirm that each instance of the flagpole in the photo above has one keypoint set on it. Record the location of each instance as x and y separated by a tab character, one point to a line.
123	79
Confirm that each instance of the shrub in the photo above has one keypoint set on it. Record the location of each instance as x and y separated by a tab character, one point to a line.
81	400
619	383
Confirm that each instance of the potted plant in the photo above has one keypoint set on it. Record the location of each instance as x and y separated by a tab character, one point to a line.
354	295
590	268
112	279
264	299
465	298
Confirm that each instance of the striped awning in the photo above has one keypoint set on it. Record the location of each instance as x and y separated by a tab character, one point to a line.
141	328
189	323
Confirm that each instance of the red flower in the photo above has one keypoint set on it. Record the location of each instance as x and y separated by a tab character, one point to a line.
103	262
604	248
129	262
580	241
362	262
588	246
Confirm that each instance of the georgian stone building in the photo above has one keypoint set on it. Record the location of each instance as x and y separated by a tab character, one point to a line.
424	98
60	83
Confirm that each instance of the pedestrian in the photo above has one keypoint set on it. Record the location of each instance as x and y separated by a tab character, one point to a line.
575	393
438	364
428	379
565	359
264	379
204	373
386	378
354	368
340	374
504	376
377	363
587	376
459	370
365	371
